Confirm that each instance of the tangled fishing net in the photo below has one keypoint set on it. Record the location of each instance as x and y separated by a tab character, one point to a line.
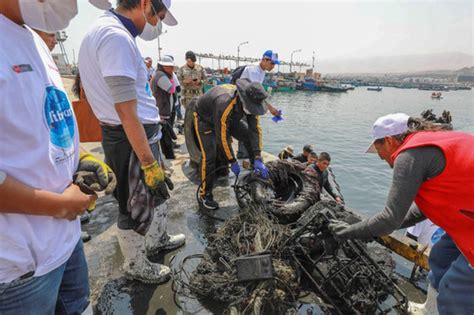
251	231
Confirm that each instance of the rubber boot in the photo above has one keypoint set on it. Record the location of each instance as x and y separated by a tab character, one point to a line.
430	307
136	265
157	238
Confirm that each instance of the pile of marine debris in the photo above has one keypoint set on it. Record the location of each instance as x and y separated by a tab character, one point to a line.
278	248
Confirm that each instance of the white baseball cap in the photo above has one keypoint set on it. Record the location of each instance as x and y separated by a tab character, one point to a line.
166	61
389	125
169	19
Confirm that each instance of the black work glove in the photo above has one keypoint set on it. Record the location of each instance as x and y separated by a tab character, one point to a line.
169	183
343	231
102	179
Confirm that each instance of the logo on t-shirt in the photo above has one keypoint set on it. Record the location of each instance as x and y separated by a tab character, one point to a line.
59	116
148	89
22	68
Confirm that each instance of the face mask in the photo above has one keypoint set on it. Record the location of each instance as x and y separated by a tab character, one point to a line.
151	32
48	15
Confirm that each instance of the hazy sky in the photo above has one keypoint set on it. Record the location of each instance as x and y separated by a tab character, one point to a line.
334	29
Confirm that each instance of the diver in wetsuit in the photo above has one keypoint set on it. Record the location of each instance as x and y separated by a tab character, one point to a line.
220	115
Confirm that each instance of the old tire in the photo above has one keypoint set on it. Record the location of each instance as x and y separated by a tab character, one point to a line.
290	191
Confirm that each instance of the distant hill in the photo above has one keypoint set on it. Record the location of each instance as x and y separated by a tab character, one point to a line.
465	70
400	64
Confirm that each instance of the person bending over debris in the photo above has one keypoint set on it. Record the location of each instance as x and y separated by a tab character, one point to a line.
286	154
312	158
435	170
218	117
321	167
115	80
303	157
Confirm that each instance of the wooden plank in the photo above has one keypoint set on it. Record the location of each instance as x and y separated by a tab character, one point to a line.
407	248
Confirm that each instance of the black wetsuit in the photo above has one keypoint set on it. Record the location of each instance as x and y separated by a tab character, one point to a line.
301	158
324	181
219	116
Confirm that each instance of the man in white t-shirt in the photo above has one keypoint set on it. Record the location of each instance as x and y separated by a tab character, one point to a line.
115	81
42	263
256	73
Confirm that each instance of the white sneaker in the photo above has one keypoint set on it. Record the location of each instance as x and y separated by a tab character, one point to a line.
167	243
430	307
136	265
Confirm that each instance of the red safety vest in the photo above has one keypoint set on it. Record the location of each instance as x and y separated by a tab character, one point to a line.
448	199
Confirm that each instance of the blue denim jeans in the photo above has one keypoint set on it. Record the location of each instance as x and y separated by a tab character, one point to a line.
64	290
453	277
179	113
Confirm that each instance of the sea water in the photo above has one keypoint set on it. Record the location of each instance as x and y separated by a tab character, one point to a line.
341	123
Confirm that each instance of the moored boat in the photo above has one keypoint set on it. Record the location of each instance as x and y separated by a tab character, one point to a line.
376	89
436	95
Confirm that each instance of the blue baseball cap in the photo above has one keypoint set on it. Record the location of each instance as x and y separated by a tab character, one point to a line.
269	54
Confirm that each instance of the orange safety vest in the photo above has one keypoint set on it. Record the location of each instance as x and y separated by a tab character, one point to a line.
448	199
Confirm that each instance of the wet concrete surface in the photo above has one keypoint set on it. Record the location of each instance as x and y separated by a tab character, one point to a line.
112	293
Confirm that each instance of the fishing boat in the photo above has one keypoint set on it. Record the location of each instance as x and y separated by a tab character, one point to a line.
333	87
436	95
309	84
285	85
376	89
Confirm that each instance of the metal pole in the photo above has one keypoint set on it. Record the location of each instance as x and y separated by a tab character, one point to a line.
313	61
159	49
238	54
291	61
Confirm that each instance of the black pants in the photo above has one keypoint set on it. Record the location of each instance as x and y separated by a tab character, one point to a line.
117	150
166	141
210	149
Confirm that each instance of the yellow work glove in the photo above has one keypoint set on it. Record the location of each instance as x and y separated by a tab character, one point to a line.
153	175
154	179
93	175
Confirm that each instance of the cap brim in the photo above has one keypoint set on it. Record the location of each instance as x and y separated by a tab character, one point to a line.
169	19
371	148
276	62
253	108
167	64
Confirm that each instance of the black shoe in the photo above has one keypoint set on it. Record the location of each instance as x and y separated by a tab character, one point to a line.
208	202
85	236
85	217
